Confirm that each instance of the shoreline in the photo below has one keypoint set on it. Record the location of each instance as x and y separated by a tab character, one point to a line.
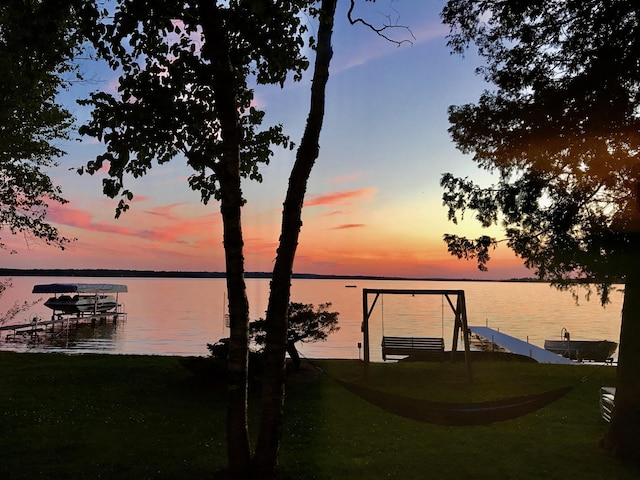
90	272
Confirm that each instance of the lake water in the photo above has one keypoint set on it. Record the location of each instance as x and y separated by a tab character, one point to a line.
169	316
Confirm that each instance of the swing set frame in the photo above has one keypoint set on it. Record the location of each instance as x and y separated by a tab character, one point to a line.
459	309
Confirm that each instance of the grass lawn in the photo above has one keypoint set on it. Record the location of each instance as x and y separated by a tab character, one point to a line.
136	417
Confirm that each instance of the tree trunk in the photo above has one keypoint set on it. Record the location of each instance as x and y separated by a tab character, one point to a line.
293	354
216	49
623	437
238	448
266	457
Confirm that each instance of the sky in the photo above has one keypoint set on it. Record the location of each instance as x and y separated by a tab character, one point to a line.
373	204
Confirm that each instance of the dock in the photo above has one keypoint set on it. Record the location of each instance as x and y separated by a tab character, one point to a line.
91	304
519	347
59	324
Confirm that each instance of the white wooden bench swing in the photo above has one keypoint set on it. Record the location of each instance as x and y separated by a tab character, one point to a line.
420	347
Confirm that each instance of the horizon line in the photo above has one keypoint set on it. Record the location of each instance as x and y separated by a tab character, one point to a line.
134	273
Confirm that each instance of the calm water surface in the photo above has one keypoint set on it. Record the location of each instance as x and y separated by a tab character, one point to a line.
180	316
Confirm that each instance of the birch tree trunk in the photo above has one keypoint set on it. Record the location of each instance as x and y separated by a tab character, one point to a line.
273	388
224	82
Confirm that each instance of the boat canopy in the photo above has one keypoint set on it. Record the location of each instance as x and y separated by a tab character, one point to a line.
79	288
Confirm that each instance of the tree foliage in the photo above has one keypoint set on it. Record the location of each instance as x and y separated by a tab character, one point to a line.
38	42
166	104
306	324
309	325
560	129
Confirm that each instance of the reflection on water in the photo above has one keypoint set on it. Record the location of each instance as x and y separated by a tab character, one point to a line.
180	316
74	338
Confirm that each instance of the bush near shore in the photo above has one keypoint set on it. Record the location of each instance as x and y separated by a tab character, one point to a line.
139	417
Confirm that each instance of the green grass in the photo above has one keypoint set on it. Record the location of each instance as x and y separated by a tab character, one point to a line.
136	417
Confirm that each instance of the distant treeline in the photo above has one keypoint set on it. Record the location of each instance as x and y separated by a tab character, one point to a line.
93	272
97	272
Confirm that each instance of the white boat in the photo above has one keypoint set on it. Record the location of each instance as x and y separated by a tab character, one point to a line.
595	350
80	298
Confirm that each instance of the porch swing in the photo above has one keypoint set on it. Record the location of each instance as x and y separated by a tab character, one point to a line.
420	347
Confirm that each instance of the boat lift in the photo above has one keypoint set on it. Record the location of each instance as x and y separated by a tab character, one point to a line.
38	326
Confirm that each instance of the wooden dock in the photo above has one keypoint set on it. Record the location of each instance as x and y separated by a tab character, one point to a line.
520	347
58	324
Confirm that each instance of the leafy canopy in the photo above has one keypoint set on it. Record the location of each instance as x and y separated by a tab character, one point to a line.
307	324
560	129
165	104
38	41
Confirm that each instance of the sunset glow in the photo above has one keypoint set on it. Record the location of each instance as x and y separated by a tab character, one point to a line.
373	205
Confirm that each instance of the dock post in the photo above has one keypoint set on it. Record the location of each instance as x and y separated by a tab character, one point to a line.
365	325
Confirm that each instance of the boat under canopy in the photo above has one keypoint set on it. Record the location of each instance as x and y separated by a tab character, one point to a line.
89	298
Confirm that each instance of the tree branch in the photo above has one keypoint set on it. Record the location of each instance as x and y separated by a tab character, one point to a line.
381	30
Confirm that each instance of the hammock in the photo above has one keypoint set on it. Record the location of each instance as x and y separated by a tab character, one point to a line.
445	413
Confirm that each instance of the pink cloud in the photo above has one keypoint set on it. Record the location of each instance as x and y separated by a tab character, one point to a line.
165	210
348	226
81	219
186	231
177	231
347	197
260	246
347	178
334	213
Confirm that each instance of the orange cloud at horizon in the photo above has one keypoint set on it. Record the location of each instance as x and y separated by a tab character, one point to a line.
381	249
380	240
408	265
349	254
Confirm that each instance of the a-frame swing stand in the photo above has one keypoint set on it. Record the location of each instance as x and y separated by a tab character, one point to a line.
459	310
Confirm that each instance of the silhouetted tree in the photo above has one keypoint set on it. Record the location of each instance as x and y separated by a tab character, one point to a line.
276	324
17	307
305	325
184	91
561	128
38	42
